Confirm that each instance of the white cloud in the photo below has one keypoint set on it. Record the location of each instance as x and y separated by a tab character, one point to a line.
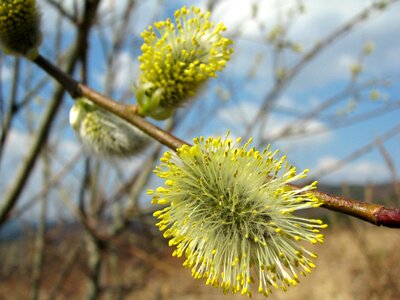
50	15
245	111
297	145
126	72
67	148
6	73
128	68
237	15
233	13
308	128
246	16
288	102
327	162
17	145
111	5
320	17
332	64
145	13
360	172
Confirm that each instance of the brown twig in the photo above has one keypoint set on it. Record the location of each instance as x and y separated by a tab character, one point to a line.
376	214
127	112
373	213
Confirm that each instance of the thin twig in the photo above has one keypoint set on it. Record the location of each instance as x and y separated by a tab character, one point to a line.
373	213
54	181
6	125
156	263
24	172
119	35
58	6
390	164
41	233
95	264
135	185
11	197
292	127
64	271
31	94
44	128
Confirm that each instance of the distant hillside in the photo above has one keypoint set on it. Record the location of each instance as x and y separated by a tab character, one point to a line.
380	193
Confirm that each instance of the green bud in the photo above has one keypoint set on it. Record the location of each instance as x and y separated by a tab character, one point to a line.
20	33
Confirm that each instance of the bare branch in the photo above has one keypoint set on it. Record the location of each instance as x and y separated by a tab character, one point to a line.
391	166
6	124
11	197
64	271
373	213
58	6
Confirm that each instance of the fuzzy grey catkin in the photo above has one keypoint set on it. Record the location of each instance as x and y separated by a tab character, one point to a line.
105	133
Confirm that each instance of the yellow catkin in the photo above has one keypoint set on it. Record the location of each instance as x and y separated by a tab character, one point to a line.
177	59
228	210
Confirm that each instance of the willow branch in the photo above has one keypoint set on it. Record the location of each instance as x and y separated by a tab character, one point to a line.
376	214
372	213
126	112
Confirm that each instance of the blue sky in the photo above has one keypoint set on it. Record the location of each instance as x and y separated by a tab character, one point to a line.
231	101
